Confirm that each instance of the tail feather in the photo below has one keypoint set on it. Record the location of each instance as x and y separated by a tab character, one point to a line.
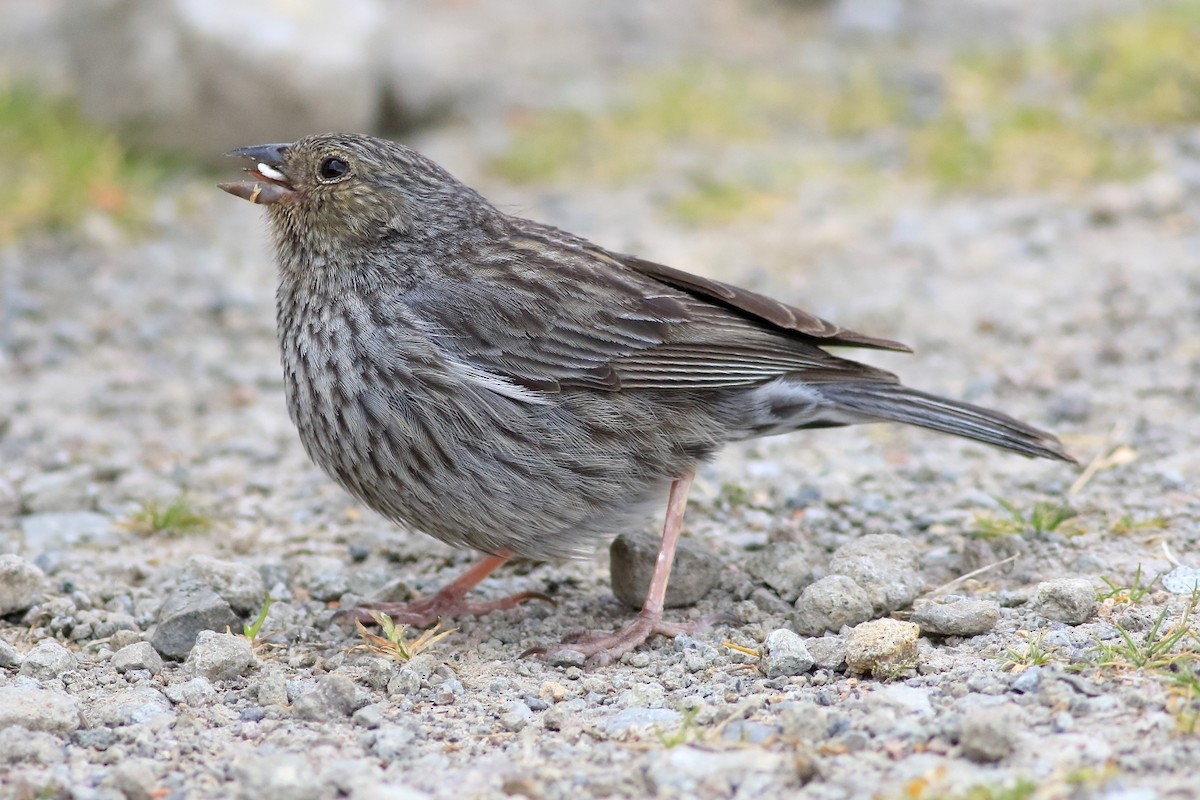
895	403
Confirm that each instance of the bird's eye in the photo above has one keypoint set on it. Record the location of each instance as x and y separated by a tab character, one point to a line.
332	168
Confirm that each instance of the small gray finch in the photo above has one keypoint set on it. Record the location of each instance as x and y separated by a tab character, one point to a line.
512	388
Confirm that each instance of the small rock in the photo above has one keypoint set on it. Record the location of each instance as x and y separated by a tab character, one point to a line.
139	655
272	689
278	775
18	745
687	771
785	654
1069	600
783	566
405	681
831	603
631	566
516	715
335	696
21	584
195	692
189	609
391	744
883	648
803	719
631	721
240	585
1027	682
135	779
885	565
828	652
9	657
956	616
220	656
989	732
370	717
1182	580
54	531
48	659
38	709
137	705
61	490
124	637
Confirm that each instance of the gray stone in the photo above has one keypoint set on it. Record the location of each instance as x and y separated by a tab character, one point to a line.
54	531
1027	682
139	655
135	778
784	654
988	733
370	717
1182	580
189	609
803	719
516	715
240	585
334	696
828	652
38	709
830	604
61	490
195	692
688	771
47	659
886	566
956	616
278	775
632	559
220	656
272	689
9	657
633	721
269	69
883	648
137	705
783	566
21	584
392	743
18	745
1069	600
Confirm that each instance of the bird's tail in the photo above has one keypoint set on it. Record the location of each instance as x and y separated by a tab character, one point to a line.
890	402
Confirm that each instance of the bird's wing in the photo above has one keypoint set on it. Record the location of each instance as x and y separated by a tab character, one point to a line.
546	313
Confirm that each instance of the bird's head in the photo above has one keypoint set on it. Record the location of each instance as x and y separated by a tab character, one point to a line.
337	189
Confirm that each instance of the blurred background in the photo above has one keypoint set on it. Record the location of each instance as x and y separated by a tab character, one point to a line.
698	115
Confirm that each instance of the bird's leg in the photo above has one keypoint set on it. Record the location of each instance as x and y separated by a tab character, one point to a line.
599	648
450	601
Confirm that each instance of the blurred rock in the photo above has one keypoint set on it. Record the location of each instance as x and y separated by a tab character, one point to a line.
238	584
830	604
21	584
631	566
47	659
989	732
784	654
1069	600
38	709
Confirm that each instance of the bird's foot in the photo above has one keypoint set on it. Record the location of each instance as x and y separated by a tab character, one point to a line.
428	610
599	648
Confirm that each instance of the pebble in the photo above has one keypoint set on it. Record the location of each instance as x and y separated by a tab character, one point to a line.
784	654
239	585
516	715
687	771
1181	580
56	530
370	717
9	657
885	565
68	490
135	705
135	778
828	652
631	565
883	648
279	775
989	733
139	655
1069	600
21	584
189	609
783	566
956	616
271	689
18	745
335	696
830	604
195	692
220	656
48	659
36	709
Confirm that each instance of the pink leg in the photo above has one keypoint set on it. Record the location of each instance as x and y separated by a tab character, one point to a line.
599	648
448	602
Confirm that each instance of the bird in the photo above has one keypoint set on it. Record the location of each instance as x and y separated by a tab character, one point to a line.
514	389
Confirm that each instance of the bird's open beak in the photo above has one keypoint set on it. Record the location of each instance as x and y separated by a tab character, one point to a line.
270	181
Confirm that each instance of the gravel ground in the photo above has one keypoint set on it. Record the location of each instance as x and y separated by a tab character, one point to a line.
134	372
